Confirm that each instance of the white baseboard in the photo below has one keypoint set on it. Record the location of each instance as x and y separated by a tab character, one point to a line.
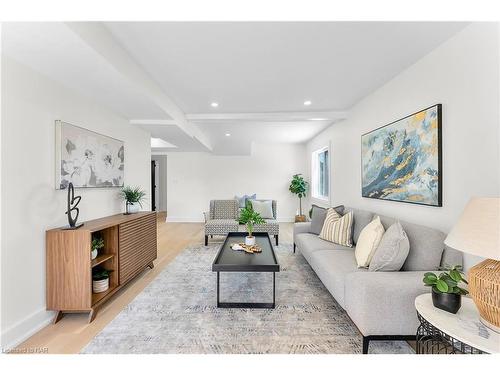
184	220
198	220
21	331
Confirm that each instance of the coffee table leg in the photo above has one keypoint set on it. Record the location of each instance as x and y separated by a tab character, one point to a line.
218	303
274	290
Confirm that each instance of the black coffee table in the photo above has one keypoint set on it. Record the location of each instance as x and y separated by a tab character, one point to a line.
228	260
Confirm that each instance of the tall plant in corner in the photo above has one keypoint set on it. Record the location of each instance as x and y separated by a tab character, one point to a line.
299	187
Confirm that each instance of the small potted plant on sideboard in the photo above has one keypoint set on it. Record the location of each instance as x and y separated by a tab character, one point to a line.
97	244
100	279
249	217
446	294
133	198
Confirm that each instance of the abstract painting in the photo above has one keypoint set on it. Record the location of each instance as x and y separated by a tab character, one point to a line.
87	159
401	161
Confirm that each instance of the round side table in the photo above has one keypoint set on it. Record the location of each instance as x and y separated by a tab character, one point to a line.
441	332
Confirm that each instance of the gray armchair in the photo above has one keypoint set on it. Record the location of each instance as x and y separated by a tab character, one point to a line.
222	218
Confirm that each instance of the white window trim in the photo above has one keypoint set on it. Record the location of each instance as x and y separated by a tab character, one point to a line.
314	173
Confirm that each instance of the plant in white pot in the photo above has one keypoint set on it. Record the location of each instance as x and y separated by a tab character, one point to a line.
133	198
100	279
97	244
249	217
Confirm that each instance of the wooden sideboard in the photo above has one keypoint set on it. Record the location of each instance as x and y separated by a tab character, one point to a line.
129	248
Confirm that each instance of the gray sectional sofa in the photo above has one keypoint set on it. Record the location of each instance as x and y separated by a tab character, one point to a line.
381	304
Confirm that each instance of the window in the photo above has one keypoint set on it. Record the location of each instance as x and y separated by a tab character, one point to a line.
320	174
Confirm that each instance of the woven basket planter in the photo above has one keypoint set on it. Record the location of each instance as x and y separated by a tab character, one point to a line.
99	286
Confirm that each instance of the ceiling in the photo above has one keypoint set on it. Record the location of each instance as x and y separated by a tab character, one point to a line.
163	76
276	66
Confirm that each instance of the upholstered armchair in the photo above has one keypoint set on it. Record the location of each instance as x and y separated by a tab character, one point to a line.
221	218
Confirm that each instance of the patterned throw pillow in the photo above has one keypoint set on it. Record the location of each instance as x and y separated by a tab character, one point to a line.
337	229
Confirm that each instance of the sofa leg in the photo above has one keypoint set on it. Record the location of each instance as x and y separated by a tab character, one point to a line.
366	344
206	240
276	240
294	246
211	236
367	339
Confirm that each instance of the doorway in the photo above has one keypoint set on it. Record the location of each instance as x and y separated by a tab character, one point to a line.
159	183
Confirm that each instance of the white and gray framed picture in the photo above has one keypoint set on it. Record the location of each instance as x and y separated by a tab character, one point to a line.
87	159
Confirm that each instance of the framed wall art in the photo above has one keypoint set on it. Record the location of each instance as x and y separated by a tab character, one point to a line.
402	161
87	159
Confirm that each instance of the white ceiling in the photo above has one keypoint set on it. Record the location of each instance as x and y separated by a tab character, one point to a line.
53	50
163	75
275	66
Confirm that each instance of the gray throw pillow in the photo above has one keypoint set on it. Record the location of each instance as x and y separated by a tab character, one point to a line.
392	250
242	201
264	208
318	217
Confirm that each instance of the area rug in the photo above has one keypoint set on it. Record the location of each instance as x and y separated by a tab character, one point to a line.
177	313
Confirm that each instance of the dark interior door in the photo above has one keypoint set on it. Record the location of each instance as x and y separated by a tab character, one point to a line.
153	185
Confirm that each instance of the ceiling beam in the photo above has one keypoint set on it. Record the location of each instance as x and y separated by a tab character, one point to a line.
269	116
152	122
99	38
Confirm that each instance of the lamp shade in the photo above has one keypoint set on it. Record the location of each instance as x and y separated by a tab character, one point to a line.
477	231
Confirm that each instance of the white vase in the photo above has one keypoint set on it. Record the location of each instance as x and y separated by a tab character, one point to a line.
93	254
99	286
132	208
249	241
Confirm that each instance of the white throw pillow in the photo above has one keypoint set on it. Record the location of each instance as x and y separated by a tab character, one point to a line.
264	208
368	241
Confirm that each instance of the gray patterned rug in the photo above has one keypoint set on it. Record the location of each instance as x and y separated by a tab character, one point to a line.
176	313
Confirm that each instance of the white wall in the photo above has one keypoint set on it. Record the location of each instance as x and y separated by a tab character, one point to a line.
196	178
463	75
30	204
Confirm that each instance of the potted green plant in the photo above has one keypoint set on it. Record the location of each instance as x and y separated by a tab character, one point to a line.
446	294
299	187
249	217
97	244
133	198
100	279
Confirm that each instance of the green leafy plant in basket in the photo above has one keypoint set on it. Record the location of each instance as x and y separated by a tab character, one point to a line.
299	187
100	273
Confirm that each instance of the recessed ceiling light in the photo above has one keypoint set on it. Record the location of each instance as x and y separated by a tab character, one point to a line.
214	104
228	134
307	102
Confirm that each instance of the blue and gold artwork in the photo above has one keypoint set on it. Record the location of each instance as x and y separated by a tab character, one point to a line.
402	161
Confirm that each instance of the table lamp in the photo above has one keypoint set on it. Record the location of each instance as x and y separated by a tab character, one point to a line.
477	232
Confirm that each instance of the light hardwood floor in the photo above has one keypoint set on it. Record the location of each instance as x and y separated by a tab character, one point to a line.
73	332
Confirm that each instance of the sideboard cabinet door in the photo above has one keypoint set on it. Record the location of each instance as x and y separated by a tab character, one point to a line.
137	246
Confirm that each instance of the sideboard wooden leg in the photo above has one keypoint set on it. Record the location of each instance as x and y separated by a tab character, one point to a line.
58	317
151	265
92	314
